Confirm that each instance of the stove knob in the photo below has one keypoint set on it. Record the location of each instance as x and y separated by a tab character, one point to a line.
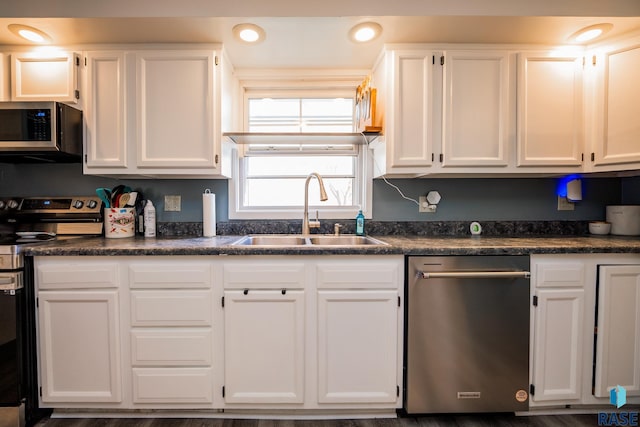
2	204
78	204
91	204
12	204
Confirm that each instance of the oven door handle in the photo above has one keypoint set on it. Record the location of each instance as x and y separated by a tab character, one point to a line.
474	274
10	281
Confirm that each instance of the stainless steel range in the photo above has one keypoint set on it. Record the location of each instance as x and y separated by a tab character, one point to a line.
30	221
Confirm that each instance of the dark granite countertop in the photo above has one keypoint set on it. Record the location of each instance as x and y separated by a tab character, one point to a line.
399	245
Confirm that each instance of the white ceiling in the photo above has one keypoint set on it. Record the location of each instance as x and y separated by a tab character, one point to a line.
305	34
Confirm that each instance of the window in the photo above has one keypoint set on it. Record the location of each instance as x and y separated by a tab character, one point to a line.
270	178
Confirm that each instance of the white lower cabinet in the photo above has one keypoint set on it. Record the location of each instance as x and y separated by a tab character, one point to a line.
264	346
565	369
357	337
618	330
270	333
171	335
558	337
327	330
79	332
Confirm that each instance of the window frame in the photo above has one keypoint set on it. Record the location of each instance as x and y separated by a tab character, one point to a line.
363	163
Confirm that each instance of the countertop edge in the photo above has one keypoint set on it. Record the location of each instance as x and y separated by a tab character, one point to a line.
396	245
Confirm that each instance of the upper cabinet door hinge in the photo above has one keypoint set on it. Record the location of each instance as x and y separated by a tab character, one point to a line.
535	300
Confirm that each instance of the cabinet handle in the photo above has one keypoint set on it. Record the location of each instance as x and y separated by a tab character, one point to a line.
284	292
246	291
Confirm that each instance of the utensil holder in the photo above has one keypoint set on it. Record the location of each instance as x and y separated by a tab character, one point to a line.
119	222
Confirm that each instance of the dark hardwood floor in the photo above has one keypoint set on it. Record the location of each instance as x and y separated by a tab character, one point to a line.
498	420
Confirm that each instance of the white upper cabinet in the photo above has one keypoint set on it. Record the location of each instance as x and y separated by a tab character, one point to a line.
175	109
44	78
405	104
476	107
105	113
444	112
157	113
550	113
617	140
5	72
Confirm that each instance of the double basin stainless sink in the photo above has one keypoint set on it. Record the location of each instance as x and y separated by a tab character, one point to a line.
297	240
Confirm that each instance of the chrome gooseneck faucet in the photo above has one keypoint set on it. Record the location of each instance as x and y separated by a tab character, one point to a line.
306	224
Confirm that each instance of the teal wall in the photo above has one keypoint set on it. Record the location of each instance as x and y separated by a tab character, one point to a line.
462	198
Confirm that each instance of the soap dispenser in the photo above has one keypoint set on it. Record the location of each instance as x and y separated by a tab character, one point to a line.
360	223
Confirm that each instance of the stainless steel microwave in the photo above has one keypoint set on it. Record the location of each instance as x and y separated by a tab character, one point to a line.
40	132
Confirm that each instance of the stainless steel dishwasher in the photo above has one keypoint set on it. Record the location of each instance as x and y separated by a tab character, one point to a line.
467	339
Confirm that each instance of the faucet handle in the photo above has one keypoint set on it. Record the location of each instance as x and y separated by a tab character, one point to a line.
336	228
314	223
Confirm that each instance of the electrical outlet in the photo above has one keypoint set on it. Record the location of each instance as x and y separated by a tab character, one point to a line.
424	206
564	204
172	203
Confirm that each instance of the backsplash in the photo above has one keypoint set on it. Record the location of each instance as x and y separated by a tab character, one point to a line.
384	228
526	200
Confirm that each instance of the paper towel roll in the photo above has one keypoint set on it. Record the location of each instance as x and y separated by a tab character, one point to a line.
208	213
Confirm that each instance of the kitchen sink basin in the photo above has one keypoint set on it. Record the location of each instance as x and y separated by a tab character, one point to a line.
271	240
344	240
284	240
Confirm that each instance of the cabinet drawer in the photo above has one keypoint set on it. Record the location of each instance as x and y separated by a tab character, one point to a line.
171	347
171	308
353	275
556	275
77	275
265	275
169	274
172	385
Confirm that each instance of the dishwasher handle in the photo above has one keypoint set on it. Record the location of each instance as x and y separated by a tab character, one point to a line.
474	274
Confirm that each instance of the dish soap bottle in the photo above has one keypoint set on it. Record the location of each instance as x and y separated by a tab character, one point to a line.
149	219
360	223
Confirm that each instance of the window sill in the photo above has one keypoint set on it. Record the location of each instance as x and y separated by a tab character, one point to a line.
301	138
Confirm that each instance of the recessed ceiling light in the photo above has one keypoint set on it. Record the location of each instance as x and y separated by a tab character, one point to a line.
365	32
249	33
590	33
29	33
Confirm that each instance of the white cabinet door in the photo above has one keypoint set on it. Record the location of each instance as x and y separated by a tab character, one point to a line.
357	346
50	78
549	111
619	133
176	99
558	332
618	339
79	346
105	112
264	346
5	72
409	124
476	109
